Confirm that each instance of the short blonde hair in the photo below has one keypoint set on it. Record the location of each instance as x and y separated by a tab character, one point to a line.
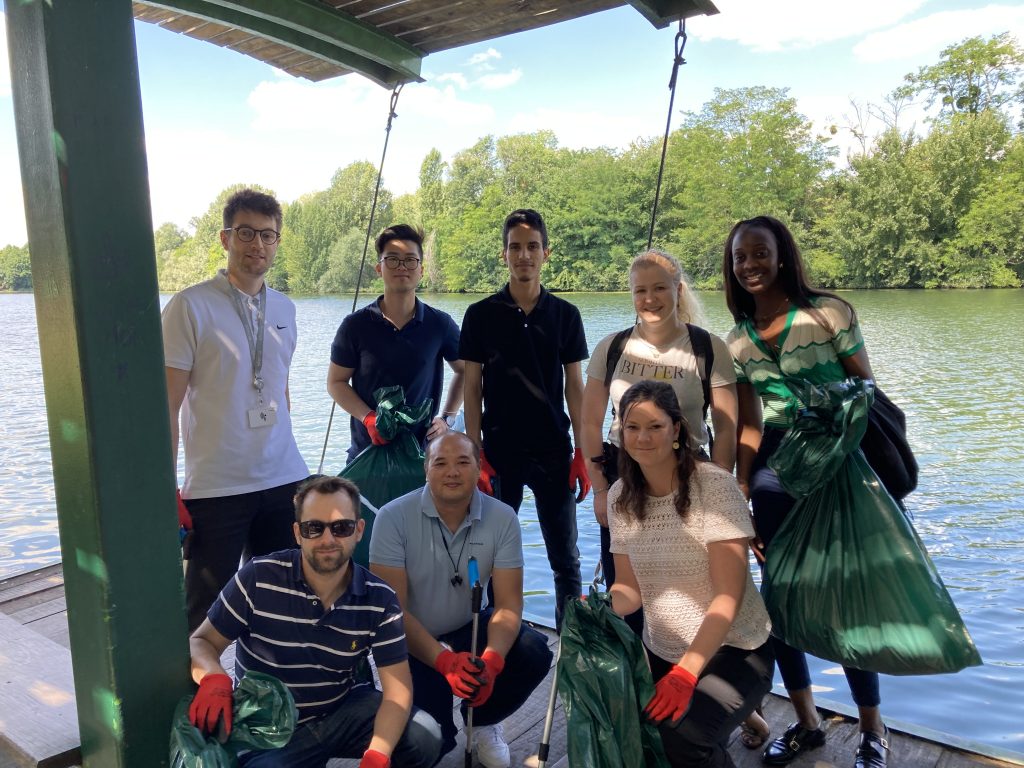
689	309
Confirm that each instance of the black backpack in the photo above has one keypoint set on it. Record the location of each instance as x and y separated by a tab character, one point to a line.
700	342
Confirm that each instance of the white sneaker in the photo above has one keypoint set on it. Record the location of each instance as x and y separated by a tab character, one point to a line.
491	749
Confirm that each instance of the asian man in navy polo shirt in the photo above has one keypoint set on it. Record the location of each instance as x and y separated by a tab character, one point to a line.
522	348
396	340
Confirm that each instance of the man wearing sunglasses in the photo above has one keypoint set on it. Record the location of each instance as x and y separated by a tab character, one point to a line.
228	346
421	545
396	340
310	617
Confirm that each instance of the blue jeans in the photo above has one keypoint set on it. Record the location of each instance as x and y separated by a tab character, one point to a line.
547	475
771	505
346	732
526	665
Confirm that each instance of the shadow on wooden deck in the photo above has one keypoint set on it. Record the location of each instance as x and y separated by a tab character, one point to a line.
36	600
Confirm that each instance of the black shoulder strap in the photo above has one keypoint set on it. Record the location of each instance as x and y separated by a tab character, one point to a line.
614	353
700	342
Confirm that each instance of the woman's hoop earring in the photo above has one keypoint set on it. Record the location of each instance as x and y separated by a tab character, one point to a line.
675	445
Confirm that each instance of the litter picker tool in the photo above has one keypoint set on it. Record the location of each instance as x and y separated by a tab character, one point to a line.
545	738
478	596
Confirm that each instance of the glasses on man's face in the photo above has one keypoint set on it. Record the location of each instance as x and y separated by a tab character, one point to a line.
394	262
248	234
314	529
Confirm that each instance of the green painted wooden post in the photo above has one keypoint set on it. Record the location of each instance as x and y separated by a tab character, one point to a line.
78	115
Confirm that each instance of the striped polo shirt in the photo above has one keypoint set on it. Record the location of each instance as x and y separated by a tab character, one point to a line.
283	630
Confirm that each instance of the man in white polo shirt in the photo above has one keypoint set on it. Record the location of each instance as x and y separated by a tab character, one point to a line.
421	545
228	345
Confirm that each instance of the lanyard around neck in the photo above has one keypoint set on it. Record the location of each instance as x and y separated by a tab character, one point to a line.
255	341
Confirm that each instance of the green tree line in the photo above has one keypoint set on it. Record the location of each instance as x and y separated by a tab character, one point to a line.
938	207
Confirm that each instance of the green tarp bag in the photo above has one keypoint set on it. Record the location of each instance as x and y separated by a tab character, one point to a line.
263	717
604	683
385	472
847	578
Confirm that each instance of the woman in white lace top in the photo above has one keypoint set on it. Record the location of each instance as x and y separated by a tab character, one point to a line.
679	534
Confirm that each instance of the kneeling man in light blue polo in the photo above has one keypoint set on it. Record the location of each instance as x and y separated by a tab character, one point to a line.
421	545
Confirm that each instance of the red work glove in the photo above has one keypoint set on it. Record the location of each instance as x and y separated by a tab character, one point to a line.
184	518
370	422
487	474
374	759
493	664
672	695
212	701
578	475
463	671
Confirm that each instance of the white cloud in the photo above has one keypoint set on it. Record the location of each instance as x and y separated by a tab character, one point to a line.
578	130
453	77
480	58
923	39
5	72
498	81
771	27
300	133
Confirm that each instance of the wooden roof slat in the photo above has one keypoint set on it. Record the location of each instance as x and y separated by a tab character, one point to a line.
474	26
382	39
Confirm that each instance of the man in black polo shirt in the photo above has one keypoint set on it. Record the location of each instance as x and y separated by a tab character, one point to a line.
522	348
395	340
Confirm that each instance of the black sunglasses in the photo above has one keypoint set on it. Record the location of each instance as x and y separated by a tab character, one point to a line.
314	529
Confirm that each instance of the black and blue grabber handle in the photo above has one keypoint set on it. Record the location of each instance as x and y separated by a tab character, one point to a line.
477	599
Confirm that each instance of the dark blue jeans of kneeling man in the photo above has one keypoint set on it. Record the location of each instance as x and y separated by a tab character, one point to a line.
526	665
771	505
346	732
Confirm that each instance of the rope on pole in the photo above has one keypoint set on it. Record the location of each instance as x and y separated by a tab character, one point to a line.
678	61
366	243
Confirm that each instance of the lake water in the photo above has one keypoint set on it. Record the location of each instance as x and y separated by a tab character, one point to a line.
945	357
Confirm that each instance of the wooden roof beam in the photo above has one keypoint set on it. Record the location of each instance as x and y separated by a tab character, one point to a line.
317	29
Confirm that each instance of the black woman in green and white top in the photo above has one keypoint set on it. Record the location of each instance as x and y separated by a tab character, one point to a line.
784	327
658	349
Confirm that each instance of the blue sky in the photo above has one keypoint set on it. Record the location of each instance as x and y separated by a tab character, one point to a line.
215	117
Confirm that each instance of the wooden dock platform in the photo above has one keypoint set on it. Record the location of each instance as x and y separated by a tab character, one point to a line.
35	600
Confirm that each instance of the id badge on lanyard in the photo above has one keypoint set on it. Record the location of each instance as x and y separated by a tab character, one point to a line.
264	414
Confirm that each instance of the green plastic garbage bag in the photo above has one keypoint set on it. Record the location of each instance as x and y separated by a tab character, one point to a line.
385	472
830	424
263	717
604	682
847	578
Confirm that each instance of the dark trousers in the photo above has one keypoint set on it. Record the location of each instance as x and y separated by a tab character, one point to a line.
771	505
732	684
547	475
228	529
346	732
526	665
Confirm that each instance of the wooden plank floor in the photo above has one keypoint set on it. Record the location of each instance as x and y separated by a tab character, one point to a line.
36	599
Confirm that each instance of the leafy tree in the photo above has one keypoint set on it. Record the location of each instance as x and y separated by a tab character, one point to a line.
990	243
15	269
971	77
749	151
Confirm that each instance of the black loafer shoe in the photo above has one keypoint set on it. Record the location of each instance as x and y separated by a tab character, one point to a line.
794	741
873	751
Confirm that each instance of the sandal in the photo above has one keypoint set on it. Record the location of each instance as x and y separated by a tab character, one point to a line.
752	736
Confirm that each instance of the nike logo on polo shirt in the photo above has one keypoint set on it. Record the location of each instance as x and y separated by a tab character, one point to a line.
281	327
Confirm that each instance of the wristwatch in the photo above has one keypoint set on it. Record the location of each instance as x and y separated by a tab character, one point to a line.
449	419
